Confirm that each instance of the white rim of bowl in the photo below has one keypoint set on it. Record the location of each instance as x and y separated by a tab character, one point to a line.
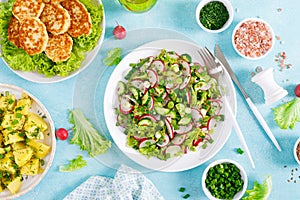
295	152
242	172
226	3
253	19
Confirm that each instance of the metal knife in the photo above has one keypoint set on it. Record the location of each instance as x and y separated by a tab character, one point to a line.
255	111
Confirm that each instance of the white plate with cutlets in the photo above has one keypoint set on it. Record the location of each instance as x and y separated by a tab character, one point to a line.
35	76
29	182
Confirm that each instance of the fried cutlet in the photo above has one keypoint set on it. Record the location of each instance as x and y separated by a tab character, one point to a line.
33	36
27	8
56	18
59	47
81	23
13	31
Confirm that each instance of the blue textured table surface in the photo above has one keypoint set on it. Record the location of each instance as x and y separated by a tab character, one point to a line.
179	16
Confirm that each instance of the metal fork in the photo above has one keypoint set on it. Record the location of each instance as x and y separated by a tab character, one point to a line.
216	71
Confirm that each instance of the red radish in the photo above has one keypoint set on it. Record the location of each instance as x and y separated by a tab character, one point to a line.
146	142
139	84
151	104
188	97
61	133
147	64
159	65
125	105
153	77
197	142
217	104
179	139
165	142
297	90
138	139
185	83
169	127
119	32
148	116
196	116
211	123
173	150
186	67
184	129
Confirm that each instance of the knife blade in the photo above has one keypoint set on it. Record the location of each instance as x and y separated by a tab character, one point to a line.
253	108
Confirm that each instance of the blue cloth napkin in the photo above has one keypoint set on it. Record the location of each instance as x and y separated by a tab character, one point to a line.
128	184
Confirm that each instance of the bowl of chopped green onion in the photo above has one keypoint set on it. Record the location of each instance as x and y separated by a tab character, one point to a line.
214	16
224	179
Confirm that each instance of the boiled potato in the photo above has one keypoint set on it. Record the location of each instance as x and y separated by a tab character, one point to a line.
22	156
13	121
15	185
7	102
41	150
10	138
6	163
23	105
31	167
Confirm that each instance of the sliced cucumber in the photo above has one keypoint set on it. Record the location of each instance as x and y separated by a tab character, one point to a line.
185	120
145	122
145	98
161	111
135	92
121	88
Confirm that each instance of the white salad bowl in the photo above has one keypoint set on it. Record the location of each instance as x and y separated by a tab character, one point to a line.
38	108
89	57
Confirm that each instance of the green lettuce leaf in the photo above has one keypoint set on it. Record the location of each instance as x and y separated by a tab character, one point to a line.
113	57
86	136
260	191
73	165
288	114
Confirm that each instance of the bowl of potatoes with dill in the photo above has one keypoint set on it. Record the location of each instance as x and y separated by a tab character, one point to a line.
27	141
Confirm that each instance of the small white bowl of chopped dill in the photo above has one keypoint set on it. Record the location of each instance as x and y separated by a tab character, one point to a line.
224	179
214	16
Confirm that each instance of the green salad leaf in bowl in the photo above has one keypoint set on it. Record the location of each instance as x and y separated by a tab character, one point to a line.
168	105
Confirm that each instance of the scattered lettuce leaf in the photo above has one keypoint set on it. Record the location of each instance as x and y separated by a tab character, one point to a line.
73	165
113	57
288	114
260	191
86	136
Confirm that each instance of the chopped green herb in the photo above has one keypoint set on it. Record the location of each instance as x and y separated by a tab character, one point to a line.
224	180
74	164
214	15
239	151
186	196
182	189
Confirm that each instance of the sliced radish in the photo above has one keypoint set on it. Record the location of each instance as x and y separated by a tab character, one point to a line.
147	64
125	106
197	142
201	67
184	129
151	103
146	142
121	121
148	116
185	83
153	77
188	97
158	65
169	127
196	116
211	124
179	139
185	149
172	54
165	142
173	150
139	84
217	104
186	68
138	138
164	96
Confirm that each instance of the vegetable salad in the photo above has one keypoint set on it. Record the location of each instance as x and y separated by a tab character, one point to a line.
18	59
21	149
168	105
